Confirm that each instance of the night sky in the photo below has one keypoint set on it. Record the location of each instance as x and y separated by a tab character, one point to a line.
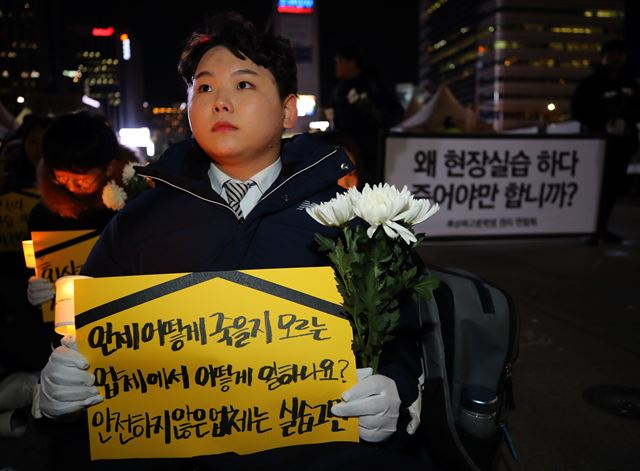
161	29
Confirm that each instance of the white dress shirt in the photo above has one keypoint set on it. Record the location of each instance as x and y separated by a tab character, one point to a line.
263	180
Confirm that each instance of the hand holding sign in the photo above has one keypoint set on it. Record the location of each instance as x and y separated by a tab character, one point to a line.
65	385
375	400
206	363
40	290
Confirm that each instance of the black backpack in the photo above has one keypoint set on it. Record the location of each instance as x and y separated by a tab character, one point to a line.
470	335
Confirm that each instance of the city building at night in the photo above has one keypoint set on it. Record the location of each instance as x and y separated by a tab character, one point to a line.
28	57
104	66
516	62
50	65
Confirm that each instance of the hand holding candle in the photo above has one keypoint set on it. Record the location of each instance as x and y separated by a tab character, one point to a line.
29	253
40	290
65	308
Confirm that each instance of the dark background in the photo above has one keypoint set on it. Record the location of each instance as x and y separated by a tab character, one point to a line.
387	36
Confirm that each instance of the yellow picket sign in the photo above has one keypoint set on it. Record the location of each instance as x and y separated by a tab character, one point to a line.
61	253
14	214
208	363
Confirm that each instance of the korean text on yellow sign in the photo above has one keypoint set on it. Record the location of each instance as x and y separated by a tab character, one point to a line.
61	253
207	363
14	214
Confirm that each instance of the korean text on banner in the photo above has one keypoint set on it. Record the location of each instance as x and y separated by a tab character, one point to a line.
208	363
502	185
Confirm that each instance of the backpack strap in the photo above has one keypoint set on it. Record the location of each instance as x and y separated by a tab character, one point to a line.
441	439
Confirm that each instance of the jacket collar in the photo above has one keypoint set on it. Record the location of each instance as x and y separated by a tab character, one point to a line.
185	165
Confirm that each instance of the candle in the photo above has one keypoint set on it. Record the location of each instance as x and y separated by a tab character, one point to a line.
65	323
29	254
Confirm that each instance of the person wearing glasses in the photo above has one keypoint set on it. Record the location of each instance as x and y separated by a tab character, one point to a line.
85	176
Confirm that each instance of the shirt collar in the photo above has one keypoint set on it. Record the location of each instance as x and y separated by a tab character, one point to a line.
263	179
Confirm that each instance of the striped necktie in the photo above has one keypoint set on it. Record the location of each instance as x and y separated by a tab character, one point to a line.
235	192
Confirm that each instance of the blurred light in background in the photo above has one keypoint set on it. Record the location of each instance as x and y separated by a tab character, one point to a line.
295	6
319	125
90	101
103	32
126	46
306	105
137	137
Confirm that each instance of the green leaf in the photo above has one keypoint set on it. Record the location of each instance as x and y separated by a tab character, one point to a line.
426	285
324	243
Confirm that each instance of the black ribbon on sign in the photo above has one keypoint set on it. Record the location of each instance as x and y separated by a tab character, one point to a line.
67	243
192	279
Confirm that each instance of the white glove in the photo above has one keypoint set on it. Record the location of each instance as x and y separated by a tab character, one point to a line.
65	385
40	290
375	400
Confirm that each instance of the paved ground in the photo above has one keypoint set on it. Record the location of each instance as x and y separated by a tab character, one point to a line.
580	313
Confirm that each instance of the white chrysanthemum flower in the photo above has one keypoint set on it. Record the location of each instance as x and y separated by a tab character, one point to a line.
113	196
418	211
335	212
385	206
128	173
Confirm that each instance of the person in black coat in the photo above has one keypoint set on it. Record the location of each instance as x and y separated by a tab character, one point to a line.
242	95
607	103
363	105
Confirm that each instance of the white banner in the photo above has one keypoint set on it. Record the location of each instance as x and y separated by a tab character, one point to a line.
500	186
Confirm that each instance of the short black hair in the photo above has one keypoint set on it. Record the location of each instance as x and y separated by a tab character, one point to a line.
78	142
614	45
351	52
31	122
240	36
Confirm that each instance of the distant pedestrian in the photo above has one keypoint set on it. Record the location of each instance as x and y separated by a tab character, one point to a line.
607	103
363	106
22	153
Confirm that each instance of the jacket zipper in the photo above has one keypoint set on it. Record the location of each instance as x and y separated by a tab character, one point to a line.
263	196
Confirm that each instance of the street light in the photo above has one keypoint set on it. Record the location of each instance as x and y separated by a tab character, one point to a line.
20	99
551	106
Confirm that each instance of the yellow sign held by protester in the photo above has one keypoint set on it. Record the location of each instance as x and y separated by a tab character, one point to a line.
61	253
208	363
14	214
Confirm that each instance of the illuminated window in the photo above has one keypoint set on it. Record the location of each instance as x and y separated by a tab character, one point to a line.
435	6
609	14
571	30
440	44
500	44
